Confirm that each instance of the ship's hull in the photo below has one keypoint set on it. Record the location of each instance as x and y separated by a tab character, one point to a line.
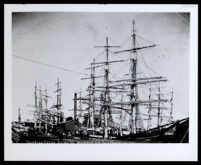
175	132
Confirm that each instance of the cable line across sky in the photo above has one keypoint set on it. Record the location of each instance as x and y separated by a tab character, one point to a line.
49	65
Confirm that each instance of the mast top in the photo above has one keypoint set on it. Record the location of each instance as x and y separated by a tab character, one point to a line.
133	27
107	45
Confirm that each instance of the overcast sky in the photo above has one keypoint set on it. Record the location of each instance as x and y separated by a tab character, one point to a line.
67	40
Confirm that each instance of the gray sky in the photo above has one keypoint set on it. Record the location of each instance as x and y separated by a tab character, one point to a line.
67	40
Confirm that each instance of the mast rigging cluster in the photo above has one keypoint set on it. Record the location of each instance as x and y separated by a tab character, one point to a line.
101	105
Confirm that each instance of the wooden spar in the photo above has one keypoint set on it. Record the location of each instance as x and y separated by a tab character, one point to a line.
102	90
106	46
138	83
156	107
75	106
135	49
94	67
108	62
106	87
83	98
155	115
78	110
138	79
57	90
91	77
138	102
86	99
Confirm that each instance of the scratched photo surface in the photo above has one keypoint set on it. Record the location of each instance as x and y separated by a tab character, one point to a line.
80	77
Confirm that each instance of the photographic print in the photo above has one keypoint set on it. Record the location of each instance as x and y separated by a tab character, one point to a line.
101	77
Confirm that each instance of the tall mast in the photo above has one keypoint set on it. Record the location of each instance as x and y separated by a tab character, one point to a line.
121	115
36	104
159	98
80	101
101	111
106	101
171	110
35	95
40	107
46	99
58	105
134	89
46	109
92	106
149	111
75	106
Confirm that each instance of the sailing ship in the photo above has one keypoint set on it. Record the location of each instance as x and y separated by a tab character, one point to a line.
102	107
131	107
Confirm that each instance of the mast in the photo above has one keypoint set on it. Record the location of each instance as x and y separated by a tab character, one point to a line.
121	115
35	95
19	115
46	99
107	100
80	101
40	107
159	98
106	91
75	106
134	81
58	105
149	111
171	110
134	89
36	105
101	111
46	109
93	93
89	110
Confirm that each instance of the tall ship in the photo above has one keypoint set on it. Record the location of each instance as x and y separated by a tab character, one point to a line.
121	107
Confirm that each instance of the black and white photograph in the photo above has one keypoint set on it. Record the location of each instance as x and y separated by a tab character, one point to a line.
100	77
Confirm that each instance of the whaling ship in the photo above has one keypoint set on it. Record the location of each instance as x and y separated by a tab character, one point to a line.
115	110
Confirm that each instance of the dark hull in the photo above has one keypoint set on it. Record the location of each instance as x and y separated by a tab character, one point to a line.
176	132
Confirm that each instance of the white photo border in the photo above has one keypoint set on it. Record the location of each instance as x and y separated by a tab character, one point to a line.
102	152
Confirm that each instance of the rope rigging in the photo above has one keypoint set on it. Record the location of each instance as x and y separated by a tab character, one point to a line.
48	65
